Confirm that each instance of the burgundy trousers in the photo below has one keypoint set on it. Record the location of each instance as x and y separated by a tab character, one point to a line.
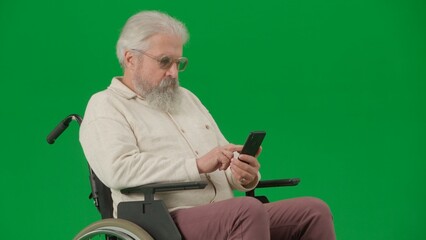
247	218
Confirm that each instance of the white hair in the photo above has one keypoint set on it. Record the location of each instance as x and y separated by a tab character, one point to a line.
144	25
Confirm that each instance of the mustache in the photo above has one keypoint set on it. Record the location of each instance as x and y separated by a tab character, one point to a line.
169	83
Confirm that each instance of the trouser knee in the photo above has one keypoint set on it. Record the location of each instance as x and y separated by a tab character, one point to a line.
251	208
317	208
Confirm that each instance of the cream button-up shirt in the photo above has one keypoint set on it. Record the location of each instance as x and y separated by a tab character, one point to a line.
128	143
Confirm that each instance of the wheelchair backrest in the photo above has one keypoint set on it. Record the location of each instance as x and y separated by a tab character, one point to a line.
101	195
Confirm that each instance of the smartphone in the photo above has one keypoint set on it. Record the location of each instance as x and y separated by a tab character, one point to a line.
253	142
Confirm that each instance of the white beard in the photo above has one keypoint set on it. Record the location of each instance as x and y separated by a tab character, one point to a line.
164	97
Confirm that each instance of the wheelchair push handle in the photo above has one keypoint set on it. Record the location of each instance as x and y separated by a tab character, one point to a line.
62	126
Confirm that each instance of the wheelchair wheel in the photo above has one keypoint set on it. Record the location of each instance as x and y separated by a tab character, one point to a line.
109	228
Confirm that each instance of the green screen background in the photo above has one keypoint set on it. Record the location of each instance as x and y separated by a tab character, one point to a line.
339	86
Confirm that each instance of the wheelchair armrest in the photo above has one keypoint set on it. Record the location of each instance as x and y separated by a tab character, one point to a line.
272	183
150	189
278	183
153	215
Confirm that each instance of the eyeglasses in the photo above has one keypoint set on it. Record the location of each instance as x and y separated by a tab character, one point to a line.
166	61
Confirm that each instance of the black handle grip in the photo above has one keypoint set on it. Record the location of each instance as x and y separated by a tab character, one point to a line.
57	131
62	126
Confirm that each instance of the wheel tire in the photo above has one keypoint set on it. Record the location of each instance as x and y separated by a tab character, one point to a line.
120	227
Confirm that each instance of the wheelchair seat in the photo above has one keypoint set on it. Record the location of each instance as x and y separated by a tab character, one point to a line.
140	220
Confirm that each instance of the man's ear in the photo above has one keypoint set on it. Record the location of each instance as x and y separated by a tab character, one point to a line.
129	60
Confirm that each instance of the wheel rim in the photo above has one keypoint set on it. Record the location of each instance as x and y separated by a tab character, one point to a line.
119	228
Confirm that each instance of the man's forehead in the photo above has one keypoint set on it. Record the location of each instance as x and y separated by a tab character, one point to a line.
165	44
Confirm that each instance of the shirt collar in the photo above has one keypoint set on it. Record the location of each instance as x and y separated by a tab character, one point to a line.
119	88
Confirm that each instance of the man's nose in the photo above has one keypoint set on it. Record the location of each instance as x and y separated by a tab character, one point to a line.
173	71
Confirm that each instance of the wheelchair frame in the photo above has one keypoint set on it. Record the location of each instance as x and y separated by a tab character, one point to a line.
147	219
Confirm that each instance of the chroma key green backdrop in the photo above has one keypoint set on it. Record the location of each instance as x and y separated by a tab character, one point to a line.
339	86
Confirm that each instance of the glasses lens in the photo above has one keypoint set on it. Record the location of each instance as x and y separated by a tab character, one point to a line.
182	64
165	62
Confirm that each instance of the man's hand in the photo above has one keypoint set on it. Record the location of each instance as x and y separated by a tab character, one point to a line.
217	158
245	168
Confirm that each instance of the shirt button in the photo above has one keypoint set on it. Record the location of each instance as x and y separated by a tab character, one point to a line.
207	127
183	131
196	152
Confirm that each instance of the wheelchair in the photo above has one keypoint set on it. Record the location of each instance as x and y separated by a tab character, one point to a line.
140	220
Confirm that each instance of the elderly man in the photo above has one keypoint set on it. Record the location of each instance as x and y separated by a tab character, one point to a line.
145	128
